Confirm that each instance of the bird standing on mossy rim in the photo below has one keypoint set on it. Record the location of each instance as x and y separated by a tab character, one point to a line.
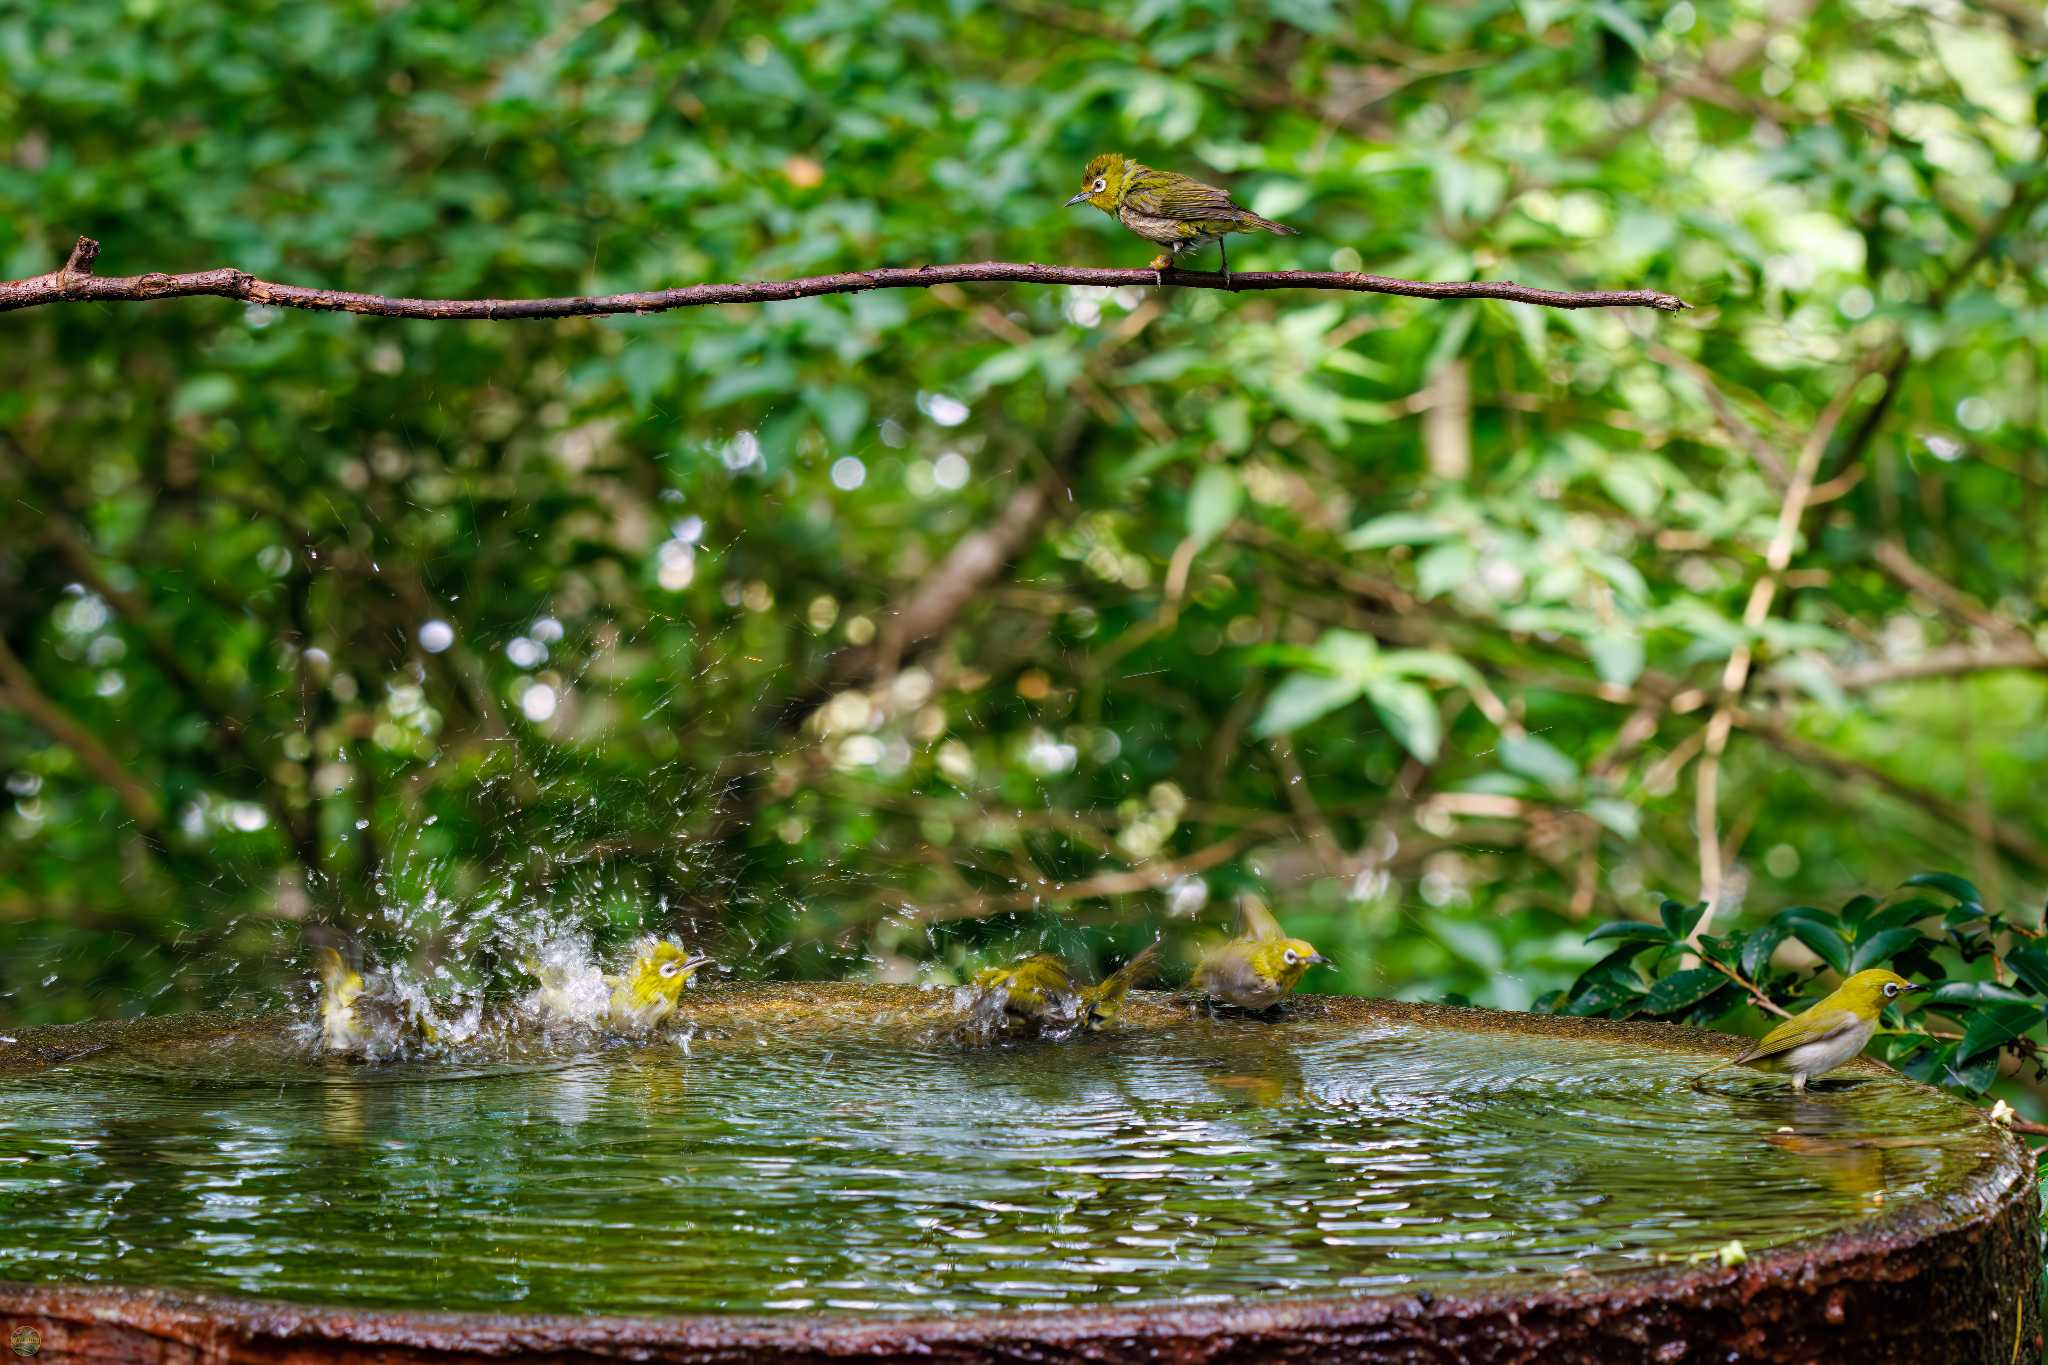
1824	1037
1173	211
1256	970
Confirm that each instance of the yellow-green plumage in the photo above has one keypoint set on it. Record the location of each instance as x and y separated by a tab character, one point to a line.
1828	1034
1260	966
647	991
1040	993
369	1025
1165	208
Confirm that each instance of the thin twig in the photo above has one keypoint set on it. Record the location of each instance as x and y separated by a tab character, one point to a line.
18	689
1106	884
1756	995
1735	677
75	282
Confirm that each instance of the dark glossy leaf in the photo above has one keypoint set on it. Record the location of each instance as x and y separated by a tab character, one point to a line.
1976	993
1926	1062
1808	914
1608	997
1974	1077
1631	931
1679	918
1877	949
1824	941
1719	948
1856	909
1759	944
2029	962
1949	884
1995	1026
1683	990
1909	911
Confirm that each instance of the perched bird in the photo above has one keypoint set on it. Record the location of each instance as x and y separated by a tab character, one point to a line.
646	992
1167	209
1261	965
1041	994
1827	1035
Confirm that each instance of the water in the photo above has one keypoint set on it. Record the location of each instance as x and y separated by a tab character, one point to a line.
864	1172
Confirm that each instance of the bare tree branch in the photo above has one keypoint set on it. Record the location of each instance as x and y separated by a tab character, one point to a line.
1105	884
1911	575
2014	842
1948	662
18	689
75	282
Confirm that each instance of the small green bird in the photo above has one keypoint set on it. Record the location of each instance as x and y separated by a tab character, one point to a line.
1040	993
632	1002
1170	210
371	1025
340	987
646	992
1260	966
1827	1035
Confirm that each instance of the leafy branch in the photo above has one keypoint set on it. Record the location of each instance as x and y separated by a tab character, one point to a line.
74	282
1989	973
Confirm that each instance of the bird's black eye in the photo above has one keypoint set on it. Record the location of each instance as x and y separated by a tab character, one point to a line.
1100	184
670	968
1292	957
1891	990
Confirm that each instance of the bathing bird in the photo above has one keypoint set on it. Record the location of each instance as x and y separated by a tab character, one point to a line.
1260	966
646	992
372	1025
631	1002
1041	993
1168	209
1827	1035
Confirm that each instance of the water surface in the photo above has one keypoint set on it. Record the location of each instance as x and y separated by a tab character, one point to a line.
863	1173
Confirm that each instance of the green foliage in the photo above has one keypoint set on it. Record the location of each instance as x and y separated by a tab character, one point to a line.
1989	974
1411	616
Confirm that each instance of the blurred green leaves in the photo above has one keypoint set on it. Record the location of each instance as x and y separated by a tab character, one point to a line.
614	617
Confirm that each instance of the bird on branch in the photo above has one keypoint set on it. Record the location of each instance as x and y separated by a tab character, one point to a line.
1171	210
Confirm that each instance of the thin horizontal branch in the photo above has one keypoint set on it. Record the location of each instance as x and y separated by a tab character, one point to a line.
1103	885
1948	662
75	283
2013	841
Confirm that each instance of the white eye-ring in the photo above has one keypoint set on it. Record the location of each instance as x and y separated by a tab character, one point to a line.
671	968
1891	990
1101	184
1292	957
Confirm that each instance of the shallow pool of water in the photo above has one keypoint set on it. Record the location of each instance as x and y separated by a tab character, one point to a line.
867	1172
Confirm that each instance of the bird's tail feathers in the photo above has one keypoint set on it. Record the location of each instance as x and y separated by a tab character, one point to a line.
1718	1066
1252	220
1119	982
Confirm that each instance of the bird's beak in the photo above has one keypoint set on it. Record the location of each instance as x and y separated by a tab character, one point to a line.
1914	986
1318	960
1079	198
691	964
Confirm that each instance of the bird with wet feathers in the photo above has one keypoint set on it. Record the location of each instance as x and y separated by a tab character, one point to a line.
1827	1035
631	1002
1168	209
1043	994
370	1021
1258	968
